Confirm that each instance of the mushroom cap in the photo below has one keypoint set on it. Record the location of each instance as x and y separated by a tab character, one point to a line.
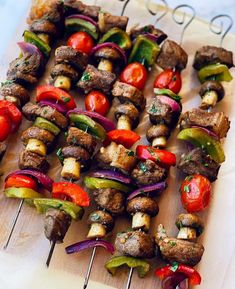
41	134
157	131
101	217
65	70
191	221
212	85
144	205
109	53
129	110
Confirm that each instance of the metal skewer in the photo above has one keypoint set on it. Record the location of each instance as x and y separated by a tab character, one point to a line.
155	13
124	6
50	253
14	223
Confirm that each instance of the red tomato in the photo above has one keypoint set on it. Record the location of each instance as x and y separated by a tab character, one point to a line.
81	41
135	74
195	193
21	181
98	102
169	79
9	109
5	125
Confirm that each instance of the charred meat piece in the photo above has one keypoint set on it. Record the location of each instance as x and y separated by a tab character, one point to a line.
44	26
68	55
108	21
128	93
207	55
148	173
81	138
56	224
77	7
111	200
161	113
34	132
100	223
25	70
30	160
198	162
136	244
172	56
217	122
95	79
65	70
129	110
31	111
3	148
11	89
77	152
161	36
116	156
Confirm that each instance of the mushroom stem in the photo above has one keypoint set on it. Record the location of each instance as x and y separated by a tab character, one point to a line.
44	37
187	233
141	221
209	99
63	82
71	169
96	231
159	142
36	146
12	99
105	65
124	122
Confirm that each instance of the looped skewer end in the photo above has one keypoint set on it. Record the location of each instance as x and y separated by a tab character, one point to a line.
124	6
155	13
219	30
183	20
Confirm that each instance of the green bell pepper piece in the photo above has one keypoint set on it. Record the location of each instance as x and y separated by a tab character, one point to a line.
21	193
145	51
87	124
32	38
117	36
169	93
42	205
200	138
96	183
76	24
218	72
142	266
47	125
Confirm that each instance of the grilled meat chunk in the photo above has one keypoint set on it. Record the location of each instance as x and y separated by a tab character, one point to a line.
112	200
161	36
108	21
129	110
56	224
116	156
130	94
217	122
44	26
31	111
207	55
30	160
172	56
3	148
65	70
198	162
68	55
95	79
148	173
161	113
25	70
77	7
12	89
34	132
181	251
144	205
136	244
81	138
103	218
79	153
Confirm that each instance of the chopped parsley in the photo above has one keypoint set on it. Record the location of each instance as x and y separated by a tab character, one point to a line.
174	78
152	153
95	217
66	134
65	99
174	267
146	29
60	155
143	167
7	82
153	109
74	140
86	76
206	165
188	158
186	189
189	178
172	243
131	154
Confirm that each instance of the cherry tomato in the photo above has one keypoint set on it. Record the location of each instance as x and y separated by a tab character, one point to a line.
81	41
21	181
169	79
5	125
135	74
98	102
195	193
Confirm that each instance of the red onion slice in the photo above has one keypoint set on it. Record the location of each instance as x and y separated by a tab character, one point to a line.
111	175
174	281
83	17
87	244
210	133
169	101
58	106
26	47
156	188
